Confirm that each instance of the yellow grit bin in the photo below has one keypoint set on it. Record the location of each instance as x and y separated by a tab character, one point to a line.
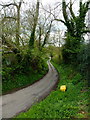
63	88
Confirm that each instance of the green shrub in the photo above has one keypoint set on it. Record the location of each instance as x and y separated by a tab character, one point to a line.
31	65
84	61
77	78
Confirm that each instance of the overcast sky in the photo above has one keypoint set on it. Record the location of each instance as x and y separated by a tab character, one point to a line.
52	3
43	1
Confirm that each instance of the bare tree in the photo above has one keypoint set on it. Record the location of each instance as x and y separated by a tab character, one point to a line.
44	29
16	18
47	34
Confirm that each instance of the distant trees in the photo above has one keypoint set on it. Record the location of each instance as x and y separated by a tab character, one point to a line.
44	28
47	34
57	40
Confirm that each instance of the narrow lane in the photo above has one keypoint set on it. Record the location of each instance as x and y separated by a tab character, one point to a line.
21	100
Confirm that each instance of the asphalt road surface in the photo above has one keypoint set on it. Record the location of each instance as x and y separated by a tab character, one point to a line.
19	101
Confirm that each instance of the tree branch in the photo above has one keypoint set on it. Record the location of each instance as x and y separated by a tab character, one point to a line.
71	11
86	31
8	17
60	20
7	5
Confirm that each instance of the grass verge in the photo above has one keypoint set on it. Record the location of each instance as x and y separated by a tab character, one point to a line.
70	104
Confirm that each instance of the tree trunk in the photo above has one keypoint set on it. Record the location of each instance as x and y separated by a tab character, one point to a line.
18	27
18	24
39	44
47	35
32	38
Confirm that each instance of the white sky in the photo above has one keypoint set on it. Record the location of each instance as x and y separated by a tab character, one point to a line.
52	3
43	1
